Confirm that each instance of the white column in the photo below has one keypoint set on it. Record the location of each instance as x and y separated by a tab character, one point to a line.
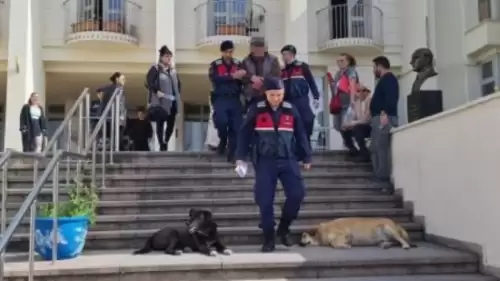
25	73
165	35
296	27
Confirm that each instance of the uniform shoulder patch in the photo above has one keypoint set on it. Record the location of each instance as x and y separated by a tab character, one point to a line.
236	60
298	62
287	104
261	104
217	62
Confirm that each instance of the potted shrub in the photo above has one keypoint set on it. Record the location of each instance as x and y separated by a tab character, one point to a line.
74	216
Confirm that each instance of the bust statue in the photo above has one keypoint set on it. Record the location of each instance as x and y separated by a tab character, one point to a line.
422	61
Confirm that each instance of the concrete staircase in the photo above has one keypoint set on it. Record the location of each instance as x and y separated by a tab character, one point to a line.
147	191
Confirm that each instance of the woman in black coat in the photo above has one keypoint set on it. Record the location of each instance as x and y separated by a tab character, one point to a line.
33	125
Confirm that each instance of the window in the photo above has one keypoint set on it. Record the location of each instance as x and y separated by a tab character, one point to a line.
86	10
488	81
488	88
484	9
232	12
115	10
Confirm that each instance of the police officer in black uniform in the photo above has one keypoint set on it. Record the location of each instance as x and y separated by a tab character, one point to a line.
274	133
225	74
298	80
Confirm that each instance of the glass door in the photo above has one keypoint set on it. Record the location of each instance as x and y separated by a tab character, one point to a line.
195	132
195	128
358	17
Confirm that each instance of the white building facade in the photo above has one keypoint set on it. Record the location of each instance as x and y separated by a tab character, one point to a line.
56	48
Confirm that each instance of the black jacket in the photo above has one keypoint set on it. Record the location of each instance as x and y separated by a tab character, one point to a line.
26	127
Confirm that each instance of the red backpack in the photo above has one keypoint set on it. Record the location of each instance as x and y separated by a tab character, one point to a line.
335	104
342	86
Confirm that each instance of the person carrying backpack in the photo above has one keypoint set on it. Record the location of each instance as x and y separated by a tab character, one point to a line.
164	87
344	86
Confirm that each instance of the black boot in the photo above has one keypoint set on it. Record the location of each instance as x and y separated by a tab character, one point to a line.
163	147
283	232
221	149
269	244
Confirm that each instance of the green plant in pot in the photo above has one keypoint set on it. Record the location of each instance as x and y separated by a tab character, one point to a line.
73	215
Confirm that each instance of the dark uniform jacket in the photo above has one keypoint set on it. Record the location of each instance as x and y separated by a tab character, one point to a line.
298	79
223	84
273	134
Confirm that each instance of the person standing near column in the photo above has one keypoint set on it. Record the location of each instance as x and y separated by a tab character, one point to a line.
384	112
164	88
298	80
33	125
225	74
274	130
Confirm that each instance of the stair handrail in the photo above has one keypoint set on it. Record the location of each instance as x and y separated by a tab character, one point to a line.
112	106
29	203
52	168
82	103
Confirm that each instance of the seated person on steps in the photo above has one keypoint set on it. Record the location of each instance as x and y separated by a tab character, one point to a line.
358	127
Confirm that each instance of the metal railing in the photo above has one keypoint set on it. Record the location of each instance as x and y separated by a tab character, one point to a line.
109	117
350	21
229	18
117	16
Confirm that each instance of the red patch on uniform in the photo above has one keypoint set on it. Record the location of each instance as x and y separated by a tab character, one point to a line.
264	121
297	71
222	70
286	122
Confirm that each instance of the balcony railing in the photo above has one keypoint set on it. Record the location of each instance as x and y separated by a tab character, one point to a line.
109	16
229	18
350	21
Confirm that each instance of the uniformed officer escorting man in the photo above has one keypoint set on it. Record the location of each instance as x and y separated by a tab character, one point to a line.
298	79
274	133
225	74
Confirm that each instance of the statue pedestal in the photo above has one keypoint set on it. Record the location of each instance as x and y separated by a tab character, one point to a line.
423	104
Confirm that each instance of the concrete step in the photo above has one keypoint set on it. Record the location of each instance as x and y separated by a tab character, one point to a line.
196	192
244	204
247	263
432	277
244	219
175	157
186	168
228	178
135	238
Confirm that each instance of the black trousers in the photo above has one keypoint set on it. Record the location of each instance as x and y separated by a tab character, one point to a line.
358	133
163	139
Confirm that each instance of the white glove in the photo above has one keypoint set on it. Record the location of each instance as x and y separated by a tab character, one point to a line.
160	94
316	103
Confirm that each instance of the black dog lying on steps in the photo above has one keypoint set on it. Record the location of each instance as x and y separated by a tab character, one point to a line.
199	234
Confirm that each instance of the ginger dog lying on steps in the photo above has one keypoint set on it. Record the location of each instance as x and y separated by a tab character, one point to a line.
346	232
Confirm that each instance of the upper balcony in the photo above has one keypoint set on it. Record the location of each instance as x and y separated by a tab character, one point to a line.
236	20
102	21
356	29
481	38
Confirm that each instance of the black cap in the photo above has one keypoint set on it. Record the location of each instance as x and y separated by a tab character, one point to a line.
271	83
289	48
164	50
226	45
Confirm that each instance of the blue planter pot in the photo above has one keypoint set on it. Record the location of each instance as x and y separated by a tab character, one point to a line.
72	233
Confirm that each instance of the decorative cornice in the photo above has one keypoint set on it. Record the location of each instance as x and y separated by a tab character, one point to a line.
101	36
